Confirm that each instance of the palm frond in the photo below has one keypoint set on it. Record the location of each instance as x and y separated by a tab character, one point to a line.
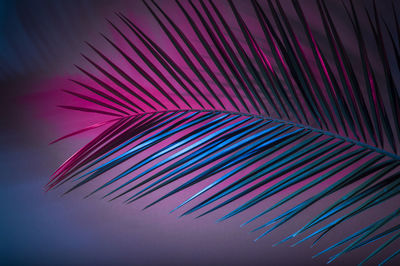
254	117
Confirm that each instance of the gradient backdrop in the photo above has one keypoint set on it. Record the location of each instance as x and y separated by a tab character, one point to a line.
39	43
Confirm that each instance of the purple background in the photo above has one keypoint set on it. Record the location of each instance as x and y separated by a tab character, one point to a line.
44	228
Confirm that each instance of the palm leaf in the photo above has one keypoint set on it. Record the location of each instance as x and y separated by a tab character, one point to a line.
253	124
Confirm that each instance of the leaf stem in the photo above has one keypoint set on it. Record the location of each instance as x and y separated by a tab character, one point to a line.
347	139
